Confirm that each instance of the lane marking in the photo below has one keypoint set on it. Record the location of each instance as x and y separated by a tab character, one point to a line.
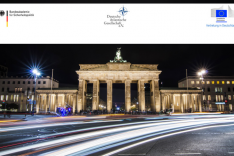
187	153
131	154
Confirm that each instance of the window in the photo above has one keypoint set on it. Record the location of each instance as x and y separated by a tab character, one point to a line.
2	97
23	82
8	82
8	89
217	98
218	89
213	82
13	82
33	89
229	89
28	82
204	97
228	82
34	82
203	82
221	97
32	97
14	98
203	89
197	82
3	82
207	82
208	89
6	97
232	82
39	82
192	82
18	82
44	82
17	98
217	82
209	97
229	97
223	82
2	89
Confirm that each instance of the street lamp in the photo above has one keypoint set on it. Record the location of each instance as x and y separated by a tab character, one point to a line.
35	73
201	73
138	106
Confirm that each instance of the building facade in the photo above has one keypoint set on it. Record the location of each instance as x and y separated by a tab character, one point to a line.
19	89
218	91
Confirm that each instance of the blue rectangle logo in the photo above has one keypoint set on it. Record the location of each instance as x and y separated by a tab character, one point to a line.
221	13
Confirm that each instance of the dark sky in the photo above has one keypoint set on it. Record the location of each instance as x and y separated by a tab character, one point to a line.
173	60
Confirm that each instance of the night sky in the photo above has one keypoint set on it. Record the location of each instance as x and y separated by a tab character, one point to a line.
173	60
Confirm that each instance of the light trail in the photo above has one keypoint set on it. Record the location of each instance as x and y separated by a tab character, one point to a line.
98	143
116	136
159	137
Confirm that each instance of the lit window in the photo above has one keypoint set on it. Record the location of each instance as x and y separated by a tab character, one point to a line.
197	82
221	97
223	82
209	97
14	98
228	82
229	97
217	82
17	98
6	97
2	97
204	97
207	82
192	82
217	98
232	82
32	97
203	82
213	82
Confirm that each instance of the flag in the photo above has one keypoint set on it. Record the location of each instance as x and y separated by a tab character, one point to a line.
221	13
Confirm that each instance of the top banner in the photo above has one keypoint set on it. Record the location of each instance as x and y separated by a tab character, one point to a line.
116	23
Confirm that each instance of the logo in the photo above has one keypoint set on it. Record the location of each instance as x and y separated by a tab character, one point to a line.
117	20
123	11
2	13
221	14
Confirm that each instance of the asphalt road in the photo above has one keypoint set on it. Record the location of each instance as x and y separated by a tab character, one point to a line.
176	135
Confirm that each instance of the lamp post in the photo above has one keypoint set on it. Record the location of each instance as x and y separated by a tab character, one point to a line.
36	73
201	73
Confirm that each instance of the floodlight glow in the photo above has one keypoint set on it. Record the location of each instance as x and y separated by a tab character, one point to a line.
199	73
203	71
34	71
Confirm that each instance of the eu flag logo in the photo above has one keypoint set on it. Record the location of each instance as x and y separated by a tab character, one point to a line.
221	13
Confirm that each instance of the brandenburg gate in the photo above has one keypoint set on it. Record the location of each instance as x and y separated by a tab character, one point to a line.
119	71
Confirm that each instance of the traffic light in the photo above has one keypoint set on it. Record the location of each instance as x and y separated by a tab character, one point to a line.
226	101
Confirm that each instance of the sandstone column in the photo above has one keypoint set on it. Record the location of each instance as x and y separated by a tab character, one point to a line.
127	95
199	102
181	103
56	103
96	88
163	102
196	105
141	94
47	102
80	95
74	103
157	95
152	96
109	95
172	102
